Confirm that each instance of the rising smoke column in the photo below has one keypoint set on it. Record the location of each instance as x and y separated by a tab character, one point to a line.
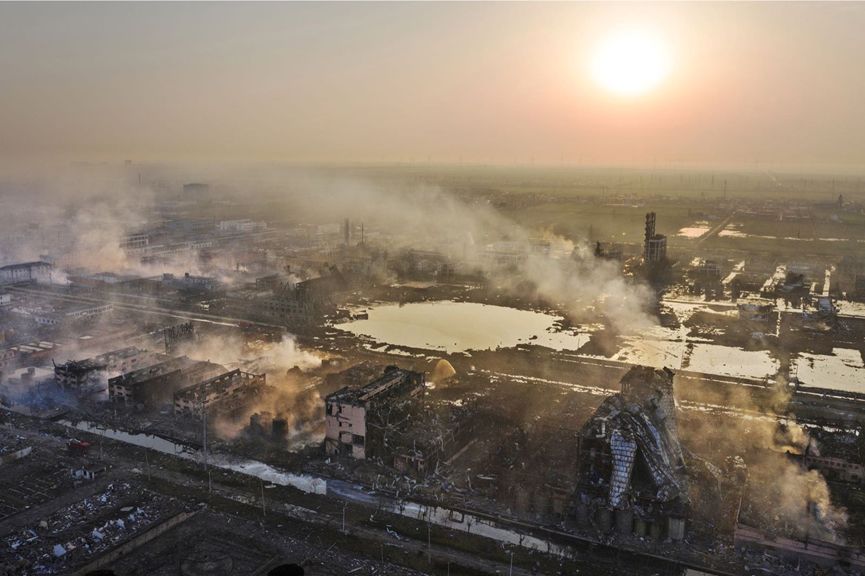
565	274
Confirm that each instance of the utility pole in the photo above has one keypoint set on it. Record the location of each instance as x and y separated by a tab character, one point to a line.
147	463
428	539
511	569
263	509
204	430
344	504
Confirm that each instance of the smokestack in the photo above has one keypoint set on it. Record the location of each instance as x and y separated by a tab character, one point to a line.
650	233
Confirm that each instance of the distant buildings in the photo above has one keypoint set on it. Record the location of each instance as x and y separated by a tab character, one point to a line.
301	303
73	313
609	251
135	241
189	282
26	272
239	226
32	353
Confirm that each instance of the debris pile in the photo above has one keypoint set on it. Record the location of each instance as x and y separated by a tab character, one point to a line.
82	530
631	462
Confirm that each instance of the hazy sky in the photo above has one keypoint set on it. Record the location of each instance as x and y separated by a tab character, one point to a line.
775	83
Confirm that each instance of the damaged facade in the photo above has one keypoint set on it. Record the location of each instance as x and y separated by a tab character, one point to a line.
226	393
357	419
155	385
81	375
631	463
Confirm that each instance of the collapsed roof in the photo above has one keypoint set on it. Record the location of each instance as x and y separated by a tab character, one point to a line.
641	420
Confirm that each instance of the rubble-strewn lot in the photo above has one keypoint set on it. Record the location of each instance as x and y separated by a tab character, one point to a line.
29	475
243	547
79	532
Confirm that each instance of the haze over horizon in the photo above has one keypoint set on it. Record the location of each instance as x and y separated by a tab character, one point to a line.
496	83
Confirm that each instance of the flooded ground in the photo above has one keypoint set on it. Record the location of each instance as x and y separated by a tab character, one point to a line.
844	370
460	327
231	462
732	231
455	327
731	361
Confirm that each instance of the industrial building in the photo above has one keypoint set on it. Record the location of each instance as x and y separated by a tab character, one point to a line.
354	415
704	277
155	385
64	315
654	245
31	353
226	393
26	272
303	302
631	465
81	374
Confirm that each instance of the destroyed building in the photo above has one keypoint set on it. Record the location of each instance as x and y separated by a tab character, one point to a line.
357	419
704	277
609	251
155	385
189	283
83	374
265	425
631	465
300	303
758	312
175	336
228	393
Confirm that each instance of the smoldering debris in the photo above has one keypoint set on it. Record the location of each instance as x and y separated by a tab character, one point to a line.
289	396
57	543
781	496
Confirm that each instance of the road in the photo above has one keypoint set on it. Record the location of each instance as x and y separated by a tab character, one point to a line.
716	229
145	308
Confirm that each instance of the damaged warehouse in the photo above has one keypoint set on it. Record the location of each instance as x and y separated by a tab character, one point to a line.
227	393
356	419
397	421
155	385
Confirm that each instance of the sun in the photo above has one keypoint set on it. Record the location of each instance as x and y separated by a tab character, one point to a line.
630	63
